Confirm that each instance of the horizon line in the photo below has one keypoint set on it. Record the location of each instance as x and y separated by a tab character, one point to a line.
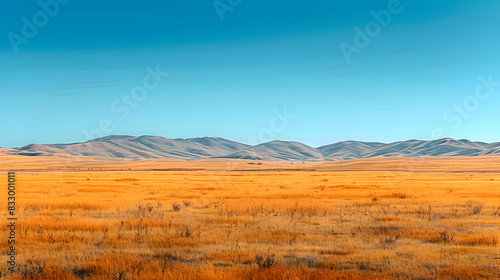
274	140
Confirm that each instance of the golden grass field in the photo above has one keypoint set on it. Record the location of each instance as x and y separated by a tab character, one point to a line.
314	223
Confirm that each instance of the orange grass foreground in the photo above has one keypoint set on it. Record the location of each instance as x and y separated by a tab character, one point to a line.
255	225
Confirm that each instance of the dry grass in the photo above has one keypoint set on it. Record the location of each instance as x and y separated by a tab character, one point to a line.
256	225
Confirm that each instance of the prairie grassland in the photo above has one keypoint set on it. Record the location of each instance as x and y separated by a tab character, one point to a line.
255	225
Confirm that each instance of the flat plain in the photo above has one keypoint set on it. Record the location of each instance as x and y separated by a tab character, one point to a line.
214	222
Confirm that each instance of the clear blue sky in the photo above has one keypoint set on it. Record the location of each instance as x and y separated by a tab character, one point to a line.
230	70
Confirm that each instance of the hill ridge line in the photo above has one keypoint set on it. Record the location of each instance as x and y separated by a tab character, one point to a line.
154	147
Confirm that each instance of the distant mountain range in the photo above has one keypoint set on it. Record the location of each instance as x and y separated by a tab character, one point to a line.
152	147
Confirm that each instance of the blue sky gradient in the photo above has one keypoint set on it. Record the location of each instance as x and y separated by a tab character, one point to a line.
416	79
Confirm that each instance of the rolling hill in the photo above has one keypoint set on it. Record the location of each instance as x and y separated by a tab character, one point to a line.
157	147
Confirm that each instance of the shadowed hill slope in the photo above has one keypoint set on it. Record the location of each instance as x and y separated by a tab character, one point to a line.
156	147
